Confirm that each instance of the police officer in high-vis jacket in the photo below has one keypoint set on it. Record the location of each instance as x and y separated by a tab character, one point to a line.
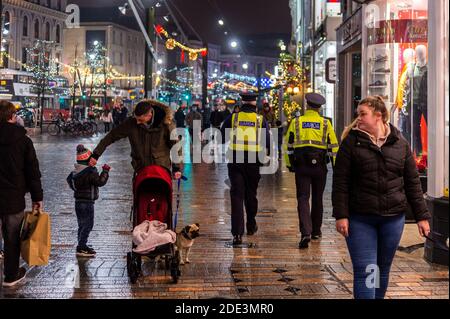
311	143
246	130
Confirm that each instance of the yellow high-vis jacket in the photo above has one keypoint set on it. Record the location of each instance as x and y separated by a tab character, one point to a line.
311	130
246	132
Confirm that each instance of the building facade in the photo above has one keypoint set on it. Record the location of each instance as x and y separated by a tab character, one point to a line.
124	50
313	28
24	22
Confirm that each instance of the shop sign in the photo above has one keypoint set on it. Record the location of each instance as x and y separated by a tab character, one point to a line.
6	87
399	31
330	70
28	90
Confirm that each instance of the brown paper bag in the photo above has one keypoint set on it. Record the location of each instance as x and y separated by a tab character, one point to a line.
36	238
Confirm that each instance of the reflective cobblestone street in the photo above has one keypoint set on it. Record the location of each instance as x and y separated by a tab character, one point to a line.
267	265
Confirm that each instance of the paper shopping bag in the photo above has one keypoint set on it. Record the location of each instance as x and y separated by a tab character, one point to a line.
36	238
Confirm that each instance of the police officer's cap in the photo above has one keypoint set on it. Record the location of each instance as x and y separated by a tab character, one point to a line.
249	97
315	100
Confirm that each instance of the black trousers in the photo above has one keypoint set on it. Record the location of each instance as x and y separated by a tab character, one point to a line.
310	180
11	236
244	179
107	126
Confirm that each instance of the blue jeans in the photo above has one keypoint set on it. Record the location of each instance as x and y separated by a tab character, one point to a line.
85	217
372	243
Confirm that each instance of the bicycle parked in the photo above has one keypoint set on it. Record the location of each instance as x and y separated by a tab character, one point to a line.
72	127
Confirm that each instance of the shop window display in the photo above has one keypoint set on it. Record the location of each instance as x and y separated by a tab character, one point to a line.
396	56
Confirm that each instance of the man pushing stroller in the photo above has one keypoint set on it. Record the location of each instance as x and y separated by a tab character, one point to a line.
149	134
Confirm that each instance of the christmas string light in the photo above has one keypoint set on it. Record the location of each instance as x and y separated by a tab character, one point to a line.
172	43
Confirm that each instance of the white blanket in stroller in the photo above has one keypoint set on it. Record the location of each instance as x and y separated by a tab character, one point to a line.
150	234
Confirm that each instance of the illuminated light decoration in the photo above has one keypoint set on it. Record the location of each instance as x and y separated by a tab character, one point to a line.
265	82
193	56
172	43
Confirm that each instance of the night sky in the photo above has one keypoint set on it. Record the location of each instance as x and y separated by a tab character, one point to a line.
257	24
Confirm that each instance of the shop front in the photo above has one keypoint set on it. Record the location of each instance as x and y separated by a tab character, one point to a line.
405	61
436	248
349	69
325	55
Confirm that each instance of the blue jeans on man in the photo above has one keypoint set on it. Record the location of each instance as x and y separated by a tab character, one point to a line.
372	243
85	218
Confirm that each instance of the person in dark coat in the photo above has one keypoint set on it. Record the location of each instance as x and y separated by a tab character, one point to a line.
215	118
116	116
123	114
225	113
374	180
192	117
205	111
149	135
19	174
180	117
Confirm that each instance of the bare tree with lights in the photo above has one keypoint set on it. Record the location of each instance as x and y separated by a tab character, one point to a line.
42	70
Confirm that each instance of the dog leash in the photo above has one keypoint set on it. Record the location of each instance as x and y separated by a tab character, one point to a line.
184	178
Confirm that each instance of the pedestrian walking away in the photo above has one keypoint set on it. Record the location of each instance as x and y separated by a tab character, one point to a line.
311	145
246	144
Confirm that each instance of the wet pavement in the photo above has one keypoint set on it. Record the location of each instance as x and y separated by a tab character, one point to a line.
266	265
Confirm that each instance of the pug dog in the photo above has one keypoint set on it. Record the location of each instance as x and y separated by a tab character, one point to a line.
185	240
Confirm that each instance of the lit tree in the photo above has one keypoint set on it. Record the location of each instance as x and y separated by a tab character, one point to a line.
42	70
97	61
292	79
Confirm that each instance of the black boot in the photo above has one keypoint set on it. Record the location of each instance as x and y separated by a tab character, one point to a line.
304	242
237	240
251	230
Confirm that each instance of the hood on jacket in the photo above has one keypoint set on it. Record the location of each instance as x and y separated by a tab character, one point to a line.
11	133
163	113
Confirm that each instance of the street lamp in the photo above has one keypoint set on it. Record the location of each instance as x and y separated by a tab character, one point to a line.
245	66
149	48
233	44
123	9
221	23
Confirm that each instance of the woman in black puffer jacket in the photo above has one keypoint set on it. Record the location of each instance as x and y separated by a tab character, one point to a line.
374	180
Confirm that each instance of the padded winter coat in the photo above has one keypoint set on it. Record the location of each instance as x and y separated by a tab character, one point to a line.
369	180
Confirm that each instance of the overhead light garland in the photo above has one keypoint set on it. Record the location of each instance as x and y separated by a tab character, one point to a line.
171	43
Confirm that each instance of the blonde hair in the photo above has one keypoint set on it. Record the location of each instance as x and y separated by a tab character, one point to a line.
376	103
347	129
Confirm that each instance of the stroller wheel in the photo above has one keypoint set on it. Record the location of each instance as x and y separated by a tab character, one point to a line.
167	262
175	268
139	264
132	268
